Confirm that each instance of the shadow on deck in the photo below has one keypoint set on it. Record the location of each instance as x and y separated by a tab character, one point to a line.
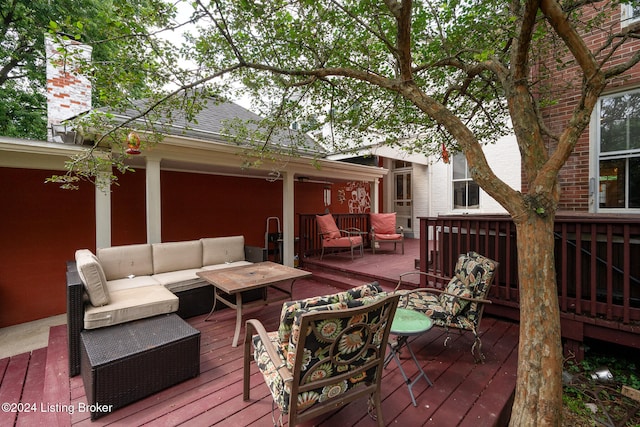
463	394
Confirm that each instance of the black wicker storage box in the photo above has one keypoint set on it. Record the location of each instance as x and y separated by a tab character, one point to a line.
124	363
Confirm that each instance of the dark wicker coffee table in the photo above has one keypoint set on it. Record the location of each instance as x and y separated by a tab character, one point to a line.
124	363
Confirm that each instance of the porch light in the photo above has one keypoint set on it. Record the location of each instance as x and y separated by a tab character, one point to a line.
133	142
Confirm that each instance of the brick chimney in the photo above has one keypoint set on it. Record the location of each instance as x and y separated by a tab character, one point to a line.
68	91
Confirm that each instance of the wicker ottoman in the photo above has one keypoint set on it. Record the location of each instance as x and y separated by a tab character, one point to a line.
124	363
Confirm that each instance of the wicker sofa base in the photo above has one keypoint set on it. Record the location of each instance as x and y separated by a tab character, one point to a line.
124	363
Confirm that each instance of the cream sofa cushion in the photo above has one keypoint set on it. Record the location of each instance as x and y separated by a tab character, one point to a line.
130	260
131	282
131	304
172	278
92	276
220	250
174	256
228	265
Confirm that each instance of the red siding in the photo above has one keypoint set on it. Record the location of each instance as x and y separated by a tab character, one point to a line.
41	226
129	209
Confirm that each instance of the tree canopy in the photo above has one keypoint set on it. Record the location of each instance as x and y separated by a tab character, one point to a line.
116	29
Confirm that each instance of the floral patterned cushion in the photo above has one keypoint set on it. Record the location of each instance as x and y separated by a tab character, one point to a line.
279	389
452	303
332	346
425	302
473	275
475	272
289	308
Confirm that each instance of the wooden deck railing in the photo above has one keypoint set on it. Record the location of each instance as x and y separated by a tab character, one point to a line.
597	260
309	243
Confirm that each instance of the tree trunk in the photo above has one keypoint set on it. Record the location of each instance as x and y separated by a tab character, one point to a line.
538	399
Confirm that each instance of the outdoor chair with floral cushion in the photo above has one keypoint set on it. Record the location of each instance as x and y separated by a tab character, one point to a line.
384	230
331	237
327	352
461	303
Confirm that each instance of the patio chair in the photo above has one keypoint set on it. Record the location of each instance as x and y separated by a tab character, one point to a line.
333	238
461	304
384	230
327	352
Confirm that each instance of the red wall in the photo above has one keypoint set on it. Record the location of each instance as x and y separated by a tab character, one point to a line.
129	209
41	226
195	206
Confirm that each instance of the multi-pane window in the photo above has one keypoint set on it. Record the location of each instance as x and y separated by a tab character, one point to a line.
619	151
466	193
629	14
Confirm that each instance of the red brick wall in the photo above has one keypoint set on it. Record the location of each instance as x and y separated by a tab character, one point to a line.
565	85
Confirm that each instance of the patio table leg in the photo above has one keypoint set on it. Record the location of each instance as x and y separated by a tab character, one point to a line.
236	335
403	342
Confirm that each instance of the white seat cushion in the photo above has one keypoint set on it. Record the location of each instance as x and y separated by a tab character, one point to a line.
92	276
171	278
131	282
175	256
119	262
220	250
226	265
131	304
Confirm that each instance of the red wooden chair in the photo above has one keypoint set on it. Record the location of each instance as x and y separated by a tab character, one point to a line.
332	237
384	230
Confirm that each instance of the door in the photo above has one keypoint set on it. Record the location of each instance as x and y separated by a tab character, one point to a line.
403	205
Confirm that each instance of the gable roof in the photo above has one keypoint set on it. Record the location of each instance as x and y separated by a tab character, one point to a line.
216	120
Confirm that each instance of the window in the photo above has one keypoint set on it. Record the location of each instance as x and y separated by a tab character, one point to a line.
629	14
466	193
619	151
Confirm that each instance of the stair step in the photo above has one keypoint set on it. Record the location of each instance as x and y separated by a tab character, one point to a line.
345	279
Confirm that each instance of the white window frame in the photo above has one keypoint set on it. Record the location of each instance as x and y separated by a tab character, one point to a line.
629	15
467	179
595	189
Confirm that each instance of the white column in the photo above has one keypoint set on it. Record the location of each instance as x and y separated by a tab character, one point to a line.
103	210
154	206
375	199
288	219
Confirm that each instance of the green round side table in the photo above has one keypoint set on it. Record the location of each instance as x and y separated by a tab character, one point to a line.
408	323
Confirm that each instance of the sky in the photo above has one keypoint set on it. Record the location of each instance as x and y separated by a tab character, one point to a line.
184	13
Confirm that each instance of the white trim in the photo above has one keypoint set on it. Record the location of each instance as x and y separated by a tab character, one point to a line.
288	219
627	15
595	157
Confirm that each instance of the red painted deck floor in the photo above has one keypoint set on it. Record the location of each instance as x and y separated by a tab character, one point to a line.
463	394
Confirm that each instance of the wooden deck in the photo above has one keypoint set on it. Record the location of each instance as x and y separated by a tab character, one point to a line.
464	394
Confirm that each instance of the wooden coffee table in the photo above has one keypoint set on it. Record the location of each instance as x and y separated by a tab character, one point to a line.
261	275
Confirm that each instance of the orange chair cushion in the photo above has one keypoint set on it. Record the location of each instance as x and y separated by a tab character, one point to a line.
343	242
388	236
327	226
384	223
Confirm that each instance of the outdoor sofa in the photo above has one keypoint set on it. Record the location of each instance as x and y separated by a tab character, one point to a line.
125	283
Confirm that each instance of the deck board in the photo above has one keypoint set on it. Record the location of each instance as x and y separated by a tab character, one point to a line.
33	391
464	393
